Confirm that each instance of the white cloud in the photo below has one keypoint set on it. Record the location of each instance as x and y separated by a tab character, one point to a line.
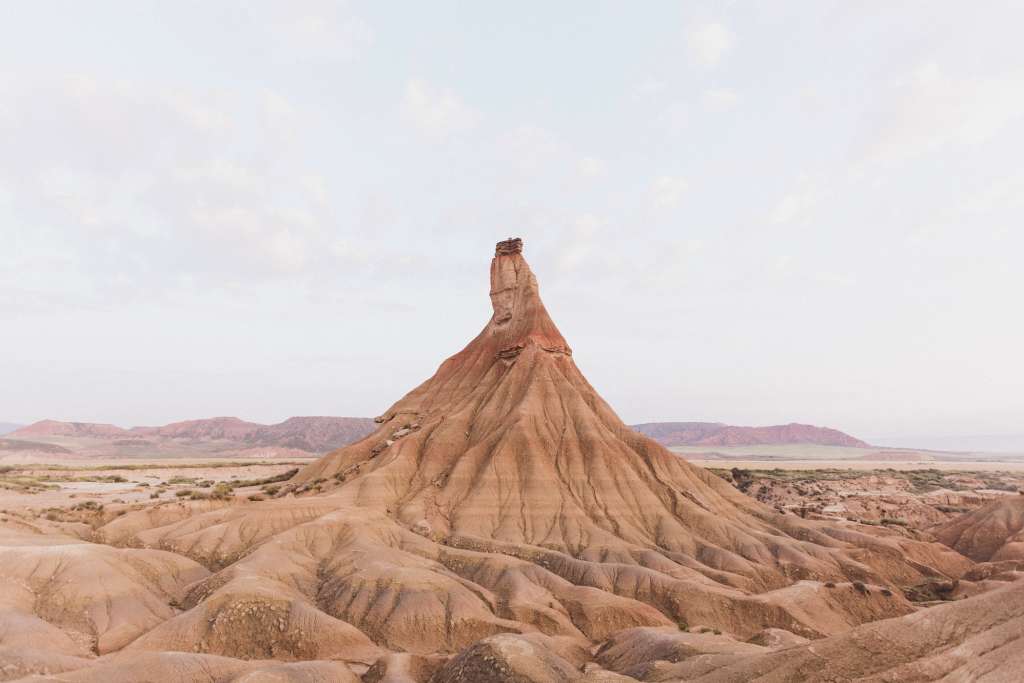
667	191
720	99
1003	194
798	203
436	112
320	30
157	187
287	250
930	109
708	44
592	167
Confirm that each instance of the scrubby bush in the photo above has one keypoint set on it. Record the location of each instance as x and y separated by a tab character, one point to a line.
222	491
184	493
860	587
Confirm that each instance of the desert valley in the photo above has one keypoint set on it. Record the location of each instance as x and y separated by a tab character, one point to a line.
500	523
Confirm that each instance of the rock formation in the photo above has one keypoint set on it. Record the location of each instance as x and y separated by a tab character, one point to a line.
500	524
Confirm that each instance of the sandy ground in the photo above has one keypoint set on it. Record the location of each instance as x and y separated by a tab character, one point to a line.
69	483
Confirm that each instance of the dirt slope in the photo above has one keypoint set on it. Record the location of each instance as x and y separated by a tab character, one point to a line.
993	532
978	639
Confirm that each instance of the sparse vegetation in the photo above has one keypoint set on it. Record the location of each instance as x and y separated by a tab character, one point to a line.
284	476
222	491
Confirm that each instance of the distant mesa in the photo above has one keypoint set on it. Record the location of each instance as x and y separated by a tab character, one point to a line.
717	434
313	434
57	428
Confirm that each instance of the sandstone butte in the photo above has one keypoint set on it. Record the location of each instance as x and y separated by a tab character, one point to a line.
500	524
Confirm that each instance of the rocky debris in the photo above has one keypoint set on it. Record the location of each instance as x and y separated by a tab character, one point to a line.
513	245
510	352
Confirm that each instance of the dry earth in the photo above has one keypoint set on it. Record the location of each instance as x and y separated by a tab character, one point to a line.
501	524
909	498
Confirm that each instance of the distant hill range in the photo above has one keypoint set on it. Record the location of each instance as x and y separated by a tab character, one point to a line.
231	436
717	434
45	428
8	427
208	436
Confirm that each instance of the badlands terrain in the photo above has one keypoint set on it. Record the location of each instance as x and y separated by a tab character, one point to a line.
500	523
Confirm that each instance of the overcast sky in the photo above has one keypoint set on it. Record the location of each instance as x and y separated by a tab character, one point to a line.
749	212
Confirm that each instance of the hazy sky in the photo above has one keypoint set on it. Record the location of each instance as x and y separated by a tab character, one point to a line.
750	212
